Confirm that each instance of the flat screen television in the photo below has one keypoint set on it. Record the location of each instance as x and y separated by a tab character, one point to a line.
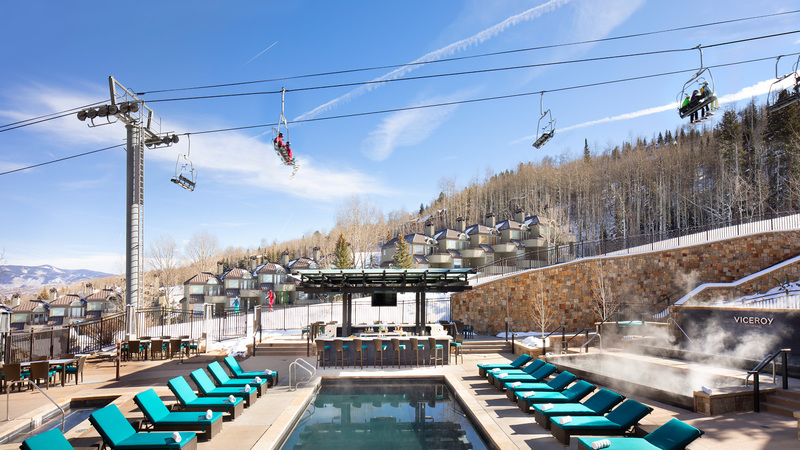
384	299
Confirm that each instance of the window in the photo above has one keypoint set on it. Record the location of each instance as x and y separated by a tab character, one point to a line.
513	234
451	244
58	311
19	318
483	239
232	284
196	289
94	306
212	290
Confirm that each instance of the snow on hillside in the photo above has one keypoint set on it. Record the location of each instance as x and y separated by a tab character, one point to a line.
25	279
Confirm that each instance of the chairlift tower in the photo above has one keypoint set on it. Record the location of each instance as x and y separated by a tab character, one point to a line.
143	128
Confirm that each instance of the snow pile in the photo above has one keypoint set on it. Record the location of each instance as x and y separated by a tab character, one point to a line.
529	338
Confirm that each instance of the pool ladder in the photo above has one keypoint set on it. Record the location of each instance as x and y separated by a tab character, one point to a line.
8	394
300	363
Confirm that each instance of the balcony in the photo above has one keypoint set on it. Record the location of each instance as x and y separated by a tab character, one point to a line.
473	253
505	247
440	258
252	293
215	299
534	243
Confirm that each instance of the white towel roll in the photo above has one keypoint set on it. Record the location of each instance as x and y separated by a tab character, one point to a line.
547	406
258	380
502	375
176	436
565	419
247	388
495	370
516	384
209	414
529	394
602	443
232	399
267	372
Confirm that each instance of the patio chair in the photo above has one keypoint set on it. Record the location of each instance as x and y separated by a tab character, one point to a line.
238	372
673	435
516	364
417	348
157	346
358	351
527	370
206	388
222	379
538	375
435	351
40	370
398	349
598	404
455	348
159	418
617	422
572	394
322	349
174	347
189	401
76	369
49	440
379	349
557	384
118	433
340	349
134	348
11	373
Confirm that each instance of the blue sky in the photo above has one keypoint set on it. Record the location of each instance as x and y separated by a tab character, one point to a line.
58	55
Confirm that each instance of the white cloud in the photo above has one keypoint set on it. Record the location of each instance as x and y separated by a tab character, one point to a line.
443	52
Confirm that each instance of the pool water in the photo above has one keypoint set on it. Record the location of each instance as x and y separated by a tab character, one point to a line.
370	414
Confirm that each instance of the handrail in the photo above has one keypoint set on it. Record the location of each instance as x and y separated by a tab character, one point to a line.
679	327
585	344
299	363
768	359
576	335
565	343
760	366
8	406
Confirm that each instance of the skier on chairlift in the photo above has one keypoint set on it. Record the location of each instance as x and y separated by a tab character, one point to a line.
279	142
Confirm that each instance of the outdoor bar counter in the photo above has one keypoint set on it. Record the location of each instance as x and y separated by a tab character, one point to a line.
408	356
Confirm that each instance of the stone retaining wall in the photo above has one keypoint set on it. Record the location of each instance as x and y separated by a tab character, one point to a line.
640	282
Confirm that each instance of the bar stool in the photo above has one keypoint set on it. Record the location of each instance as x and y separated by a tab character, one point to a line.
397	347
340	347
322	348
455	348
379	348
436	351
358	351
416	347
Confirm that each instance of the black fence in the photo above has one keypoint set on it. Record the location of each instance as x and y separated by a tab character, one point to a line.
229	324
169	322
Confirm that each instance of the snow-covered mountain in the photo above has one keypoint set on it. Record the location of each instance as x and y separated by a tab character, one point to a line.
26	278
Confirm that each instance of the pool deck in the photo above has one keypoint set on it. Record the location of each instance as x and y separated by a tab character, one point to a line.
262	424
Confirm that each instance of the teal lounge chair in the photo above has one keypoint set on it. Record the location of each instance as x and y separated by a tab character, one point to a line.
529	369
516	364
673	435
572	394
538	375
191	402
206	388
238	372
222	379
118	433
557	384
159	418
617	422
49	440
598	404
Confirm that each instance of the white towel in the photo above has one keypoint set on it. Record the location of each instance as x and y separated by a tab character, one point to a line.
546	406
209	414
232	399
495	370
528	394
516	384
502	375
602	443
247	388
176	436
267	372
258	380
565	419
706	389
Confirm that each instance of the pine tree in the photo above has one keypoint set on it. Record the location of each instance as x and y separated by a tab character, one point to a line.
341	254
402	257
587	155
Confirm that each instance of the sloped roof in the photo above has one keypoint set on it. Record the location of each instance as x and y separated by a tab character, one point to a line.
67	300
510	224
30	305
413	238
302	263
449	233
237	273
202	278
102	294
270	268
479	229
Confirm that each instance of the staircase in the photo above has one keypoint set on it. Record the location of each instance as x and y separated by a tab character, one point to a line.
282	348
477	346
783	402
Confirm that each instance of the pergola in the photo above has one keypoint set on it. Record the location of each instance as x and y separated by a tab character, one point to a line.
368	281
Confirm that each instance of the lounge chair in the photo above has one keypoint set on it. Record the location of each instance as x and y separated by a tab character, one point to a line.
538	375
572	394
118	433
529	369
516	364
222	379
159	418
191	402
598	404
206	388
236	370
557	384
617	422
673	435
49	440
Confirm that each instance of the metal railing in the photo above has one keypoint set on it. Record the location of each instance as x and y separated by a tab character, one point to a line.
302	364
8	407
680	328
784	353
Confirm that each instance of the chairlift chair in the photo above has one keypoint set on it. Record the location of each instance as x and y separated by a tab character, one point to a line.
283	128
780	97
548	130
185	175
697	82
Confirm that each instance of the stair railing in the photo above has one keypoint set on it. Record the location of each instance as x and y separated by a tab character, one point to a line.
565	343
586	344
679	327
300	363
784	352
8	395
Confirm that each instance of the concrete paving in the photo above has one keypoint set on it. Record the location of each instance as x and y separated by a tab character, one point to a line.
263	424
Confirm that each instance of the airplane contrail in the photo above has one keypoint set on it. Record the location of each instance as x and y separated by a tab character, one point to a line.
262	52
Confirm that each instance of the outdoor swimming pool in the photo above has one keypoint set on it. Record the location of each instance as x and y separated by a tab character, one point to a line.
376	413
